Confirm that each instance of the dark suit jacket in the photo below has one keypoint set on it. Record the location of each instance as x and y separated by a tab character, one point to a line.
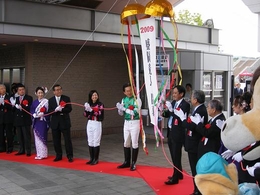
238	91
6	111
213	135
60	120
178	131
22	118
192	137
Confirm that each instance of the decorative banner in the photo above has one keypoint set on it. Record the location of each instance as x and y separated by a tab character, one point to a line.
148	43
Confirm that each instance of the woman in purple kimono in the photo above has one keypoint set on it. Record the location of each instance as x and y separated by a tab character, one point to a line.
40	123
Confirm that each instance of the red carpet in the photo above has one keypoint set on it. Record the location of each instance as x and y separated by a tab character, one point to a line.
153	176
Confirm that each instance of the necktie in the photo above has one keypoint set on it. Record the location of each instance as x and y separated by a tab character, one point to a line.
175	105
58	100
21	99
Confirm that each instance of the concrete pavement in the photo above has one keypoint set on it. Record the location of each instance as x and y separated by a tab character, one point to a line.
18	178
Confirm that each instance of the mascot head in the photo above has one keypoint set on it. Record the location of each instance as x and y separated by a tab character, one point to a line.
243	131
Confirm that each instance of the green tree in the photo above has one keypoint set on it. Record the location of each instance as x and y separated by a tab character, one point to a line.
184	16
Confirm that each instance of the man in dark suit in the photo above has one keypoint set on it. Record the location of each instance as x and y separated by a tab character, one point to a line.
238	90
176	132
192	137
6	122
211	140
22	120
60	122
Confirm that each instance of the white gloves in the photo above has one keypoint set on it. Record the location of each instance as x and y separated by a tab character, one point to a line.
87	107
131	112
220	123
40	114
196	119
120	106
180	114
169	105
58	109
35	115
238	157
227	154
251	170
12	100
18	106
1	100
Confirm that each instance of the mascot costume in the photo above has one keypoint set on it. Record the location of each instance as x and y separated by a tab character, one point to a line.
241	135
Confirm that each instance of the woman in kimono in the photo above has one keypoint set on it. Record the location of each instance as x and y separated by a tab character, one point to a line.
40	123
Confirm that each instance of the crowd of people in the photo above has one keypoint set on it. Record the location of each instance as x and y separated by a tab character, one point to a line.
198	135
188	125
19	114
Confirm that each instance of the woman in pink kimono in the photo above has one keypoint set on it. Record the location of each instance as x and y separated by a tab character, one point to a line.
40	123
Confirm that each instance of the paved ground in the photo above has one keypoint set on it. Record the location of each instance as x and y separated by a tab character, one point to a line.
18	178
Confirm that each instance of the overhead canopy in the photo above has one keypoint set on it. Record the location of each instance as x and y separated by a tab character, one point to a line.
246	73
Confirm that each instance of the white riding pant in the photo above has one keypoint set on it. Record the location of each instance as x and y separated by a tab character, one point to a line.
94	132
131	133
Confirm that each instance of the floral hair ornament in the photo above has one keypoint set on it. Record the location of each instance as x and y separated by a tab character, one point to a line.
45	89
244	104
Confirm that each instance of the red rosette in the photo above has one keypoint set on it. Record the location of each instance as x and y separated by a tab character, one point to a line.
62	104
207	126
43	109
6	101
189	120
95	109
178	109
131	107
25	102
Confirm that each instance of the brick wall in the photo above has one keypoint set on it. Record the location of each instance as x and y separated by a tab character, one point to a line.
12	57
100	68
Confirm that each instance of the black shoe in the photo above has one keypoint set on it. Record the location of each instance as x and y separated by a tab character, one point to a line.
89	162
28	154
172	181
180	177
57	159
94	162
20	153
124	165
9	151
70	159
133	167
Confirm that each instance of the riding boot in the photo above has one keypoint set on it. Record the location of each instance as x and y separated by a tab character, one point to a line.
91	155
126	164
96	155
134	158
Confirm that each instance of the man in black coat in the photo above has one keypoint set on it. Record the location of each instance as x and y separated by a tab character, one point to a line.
192	137
22	120
211	140
176	132
60	122
6	122
238	90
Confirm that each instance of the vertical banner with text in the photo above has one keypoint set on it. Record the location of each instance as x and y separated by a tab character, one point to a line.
148	43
